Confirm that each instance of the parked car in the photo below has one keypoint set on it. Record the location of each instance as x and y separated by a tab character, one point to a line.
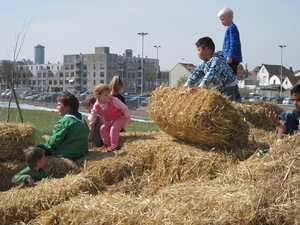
4	93
145	101
254	98
277	100
33	97
264	99
83	96
132	103
245	98
287	101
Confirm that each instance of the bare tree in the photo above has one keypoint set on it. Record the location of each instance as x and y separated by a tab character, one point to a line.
15	50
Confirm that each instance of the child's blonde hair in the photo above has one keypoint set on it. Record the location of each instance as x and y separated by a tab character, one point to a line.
99	89
225	11
115	85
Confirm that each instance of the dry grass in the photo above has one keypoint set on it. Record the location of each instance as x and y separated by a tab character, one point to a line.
14	137
157	178
198	116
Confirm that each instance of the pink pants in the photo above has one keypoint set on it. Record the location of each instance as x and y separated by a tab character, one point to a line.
110	131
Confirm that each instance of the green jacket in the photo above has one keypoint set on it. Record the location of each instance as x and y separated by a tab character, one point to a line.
23	176
69	137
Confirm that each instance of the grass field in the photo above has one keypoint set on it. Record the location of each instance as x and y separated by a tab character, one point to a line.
44	121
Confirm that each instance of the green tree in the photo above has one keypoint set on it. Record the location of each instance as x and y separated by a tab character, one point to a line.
182	80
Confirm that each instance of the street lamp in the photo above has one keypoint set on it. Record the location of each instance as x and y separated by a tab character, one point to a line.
142	65
156	75
281	47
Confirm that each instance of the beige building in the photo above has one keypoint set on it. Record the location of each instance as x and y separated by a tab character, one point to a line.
81	72
180	70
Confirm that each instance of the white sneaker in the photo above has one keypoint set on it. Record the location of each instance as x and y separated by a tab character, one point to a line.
262	152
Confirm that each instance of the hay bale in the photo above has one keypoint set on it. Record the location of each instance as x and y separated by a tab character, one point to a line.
26	204
198	116
14	137
256	113
55	166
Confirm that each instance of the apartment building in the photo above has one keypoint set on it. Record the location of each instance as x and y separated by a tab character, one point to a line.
83	71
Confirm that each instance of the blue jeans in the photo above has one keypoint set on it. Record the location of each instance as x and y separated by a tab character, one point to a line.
289	122
231	92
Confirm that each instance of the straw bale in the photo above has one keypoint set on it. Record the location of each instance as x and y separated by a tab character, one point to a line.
14	137
48	193
55	166
253	191
198	116
256	113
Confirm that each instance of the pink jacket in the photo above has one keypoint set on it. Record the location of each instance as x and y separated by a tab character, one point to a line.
111	110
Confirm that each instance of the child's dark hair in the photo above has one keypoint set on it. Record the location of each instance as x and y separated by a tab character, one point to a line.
206	42
33	155
296	89
115	84
91	99
68	99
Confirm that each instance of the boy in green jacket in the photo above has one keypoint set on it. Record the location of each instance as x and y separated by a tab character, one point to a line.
35	159
69	137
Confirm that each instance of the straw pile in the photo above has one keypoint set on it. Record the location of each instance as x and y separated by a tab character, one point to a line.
14	137
199	116
55	166
253	191
256	113
26	204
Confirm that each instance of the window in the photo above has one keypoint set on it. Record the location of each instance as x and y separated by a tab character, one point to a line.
85	74
94	58
50	82
133	75
66	81
101	81
102	58
84	66
94	82
94	74
101	74
61	74
72	67
55	82
94	66
72	74
44	75
72	59
109	58
39	82
67	67
29	82
84	82
67	59
44	82
34	82
39	75
67	74
61	82
102	67
84	59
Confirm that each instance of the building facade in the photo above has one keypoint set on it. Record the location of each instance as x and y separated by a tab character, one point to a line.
82	72
39	54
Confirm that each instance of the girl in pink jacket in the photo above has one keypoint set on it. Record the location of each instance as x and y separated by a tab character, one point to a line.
115	113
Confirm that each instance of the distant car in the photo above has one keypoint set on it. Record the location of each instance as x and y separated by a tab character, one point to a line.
277	100
145	101
264	99
132	103
287	101
254	98
245	98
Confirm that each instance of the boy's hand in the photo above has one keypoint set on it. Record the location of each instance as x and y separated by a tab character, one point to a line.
30	181
274	118
229	60
45	137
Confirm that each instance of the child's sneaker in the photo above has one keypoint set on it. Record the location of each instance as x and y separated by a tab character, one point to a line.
262	152
113	148
103	147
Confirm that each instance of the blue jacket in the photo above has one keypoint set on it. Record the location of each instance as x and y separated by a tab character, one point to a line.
232	44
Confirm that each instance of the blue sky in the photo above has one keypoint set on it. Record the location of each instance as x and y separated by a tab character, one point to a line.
73	26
